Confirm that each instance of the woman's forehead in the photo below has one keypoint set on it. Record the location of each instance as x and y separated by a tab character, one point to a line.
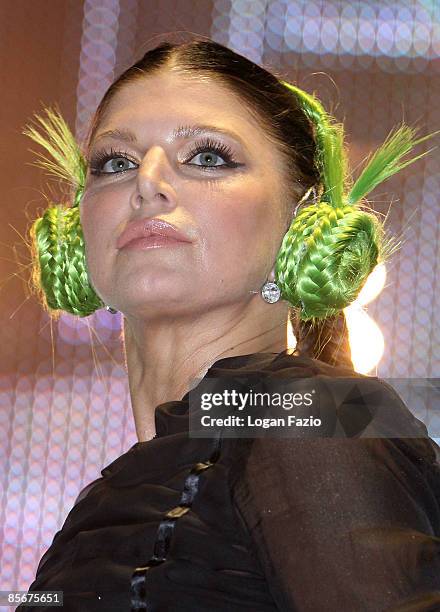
172	98
142	110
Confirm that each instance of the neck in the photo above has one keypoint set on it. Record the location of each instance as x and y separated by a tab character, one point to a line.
164	356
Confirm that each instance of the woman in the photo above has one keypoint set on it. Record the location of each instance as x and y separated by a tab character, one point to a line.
245	174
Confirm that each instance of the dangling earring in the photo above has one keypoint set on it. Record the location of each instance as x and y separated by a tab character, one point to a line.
110	309
270	292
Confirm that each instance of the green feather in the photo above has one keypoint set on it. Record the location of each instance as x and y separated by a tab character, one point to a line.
331	157
56	137
386	161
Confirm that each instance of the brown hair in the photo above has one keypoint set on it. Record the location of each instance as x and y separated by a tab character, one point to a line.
278	112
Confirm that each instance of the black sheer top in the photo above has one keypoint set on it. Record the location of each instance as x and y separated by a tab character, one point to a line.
261	524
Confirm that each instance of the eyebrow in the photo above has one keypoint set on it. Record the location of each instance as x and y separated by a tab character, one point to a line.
183	131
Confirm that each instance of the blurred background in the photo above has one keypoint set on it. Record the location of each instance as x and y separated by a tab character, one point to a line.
64	403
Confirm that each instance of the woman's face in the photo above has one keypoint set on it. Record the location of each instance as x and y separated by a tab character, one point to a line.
228	198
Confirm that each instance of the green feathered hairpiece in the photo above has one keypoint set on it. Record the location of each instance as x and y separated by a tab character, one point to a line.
333	245
59	274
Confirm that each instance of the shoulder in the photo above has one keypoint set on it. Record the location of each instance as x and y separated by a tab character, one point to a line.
86	490
363	405
369	443
350	404
310	481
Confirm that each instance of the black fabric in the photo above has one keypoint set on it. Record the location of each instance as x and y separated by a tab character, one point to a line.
293	524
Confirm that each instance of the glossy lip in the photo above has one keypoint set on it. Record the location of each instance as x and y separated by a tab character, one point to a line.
143	228
153	242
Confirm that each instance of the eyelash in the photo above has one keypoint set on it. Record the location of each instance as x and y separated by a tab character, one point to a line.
100	158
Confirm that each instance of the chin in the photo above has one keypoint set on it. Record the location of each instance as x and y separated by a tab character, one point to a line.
157	304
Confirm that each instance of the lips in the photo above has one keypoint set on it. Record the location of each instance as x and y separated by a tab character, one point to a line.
143	228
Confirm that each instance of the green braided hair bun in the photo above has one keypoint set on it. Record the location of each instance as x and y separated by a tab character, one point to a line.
61	266
59	274
332	246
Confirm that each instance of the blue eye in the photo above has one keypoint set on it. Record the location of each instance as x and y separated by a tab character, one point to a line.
208	159
212	150
117	162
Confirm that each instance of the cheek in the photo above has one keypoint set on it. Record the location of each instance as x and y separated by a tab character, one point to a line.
91	210
99	217
99	221
241	226
88	220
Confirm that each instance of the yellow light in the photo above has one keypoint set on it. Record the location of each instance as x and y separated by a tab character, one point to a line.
367	343
291	339
373	286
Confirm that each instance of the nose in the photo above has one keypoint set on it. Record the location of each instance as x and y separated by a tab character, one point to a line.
152	187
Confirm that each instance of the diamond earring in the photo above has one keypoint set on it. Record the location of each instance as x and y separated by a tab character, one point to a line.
110	309
270	292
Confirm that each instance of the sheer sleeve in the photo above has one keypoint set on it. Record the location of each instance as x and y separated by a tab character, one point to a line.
344	524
